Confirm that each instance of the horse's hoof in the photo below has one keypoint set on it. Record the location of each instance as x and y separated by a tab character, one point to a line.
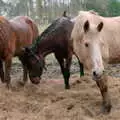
106	108
67	87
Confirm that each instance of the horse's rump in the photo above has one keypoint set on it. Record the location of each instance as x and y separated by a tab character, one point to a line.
6	38
25	30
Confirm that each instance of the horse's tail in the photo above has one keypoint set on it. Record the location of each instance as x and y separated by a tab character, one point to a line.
64	14
80	65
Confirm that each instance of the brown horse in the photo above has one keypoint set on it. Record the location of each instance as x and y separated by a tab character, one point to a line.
15	34
55	39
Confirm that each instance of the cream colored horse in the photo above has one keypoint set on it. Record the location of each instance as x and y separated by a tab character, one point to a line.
96	41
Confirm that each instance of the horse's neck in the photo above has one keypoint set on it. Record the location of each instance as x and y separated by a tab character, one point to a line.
44	48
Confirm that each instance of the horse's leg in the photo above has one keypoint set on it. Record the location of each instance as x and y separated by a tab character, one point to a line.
25	75
102	84
80	65
2	72
65	71
7	71
81	69
61	62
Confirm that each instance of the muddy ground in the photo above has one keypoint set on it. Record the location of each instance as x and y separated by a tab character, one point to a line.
50	101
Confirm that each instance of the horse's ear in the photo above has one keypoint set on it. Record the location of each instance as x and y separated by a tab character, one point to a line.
100	26
86	26
64	14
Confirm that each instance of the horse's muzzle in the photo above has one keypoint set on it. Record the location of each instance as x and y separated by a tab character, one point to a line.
35	80
97	76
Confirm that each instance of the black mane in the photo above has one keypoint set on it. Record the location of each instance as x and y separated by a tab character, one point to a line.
50	29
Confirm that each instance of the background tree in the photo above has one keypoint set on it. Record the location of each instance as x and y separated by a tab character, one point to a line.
44	11
113	8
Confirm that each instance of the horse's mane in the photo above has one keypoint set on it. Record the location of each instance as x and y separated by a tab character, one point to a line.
44	34
48	31
93	12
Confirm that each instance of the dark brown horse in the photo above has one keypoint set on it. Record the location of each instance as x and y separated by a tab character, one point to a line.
15	34
55	39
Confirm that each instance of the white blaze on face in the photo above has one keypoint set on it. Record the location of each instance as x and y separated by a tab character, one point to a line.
97	59
86	42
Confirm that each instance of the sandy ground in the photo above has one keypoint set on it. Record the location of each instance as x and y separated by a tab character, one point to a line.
50	101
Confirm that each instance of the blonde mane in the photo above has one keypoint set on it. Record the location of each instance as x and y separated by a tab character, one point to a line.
90	11
93	12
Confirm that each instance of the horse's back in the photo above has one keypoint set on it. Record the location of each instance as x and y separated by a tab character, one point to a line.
111	35
25	30
25	20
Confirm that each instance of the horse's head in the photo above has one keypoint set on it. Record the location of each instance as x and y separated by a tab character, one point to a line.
33	63
88	44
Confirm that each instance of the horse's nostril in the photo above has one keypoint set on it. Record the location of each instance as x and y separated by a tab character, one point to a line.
94	73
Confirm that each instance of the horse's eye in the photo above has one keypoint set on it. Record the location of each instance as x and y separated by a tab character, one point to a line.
86	45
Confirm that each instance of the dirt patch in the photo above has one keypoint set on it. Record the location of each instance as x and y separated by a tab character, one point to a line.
50	101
